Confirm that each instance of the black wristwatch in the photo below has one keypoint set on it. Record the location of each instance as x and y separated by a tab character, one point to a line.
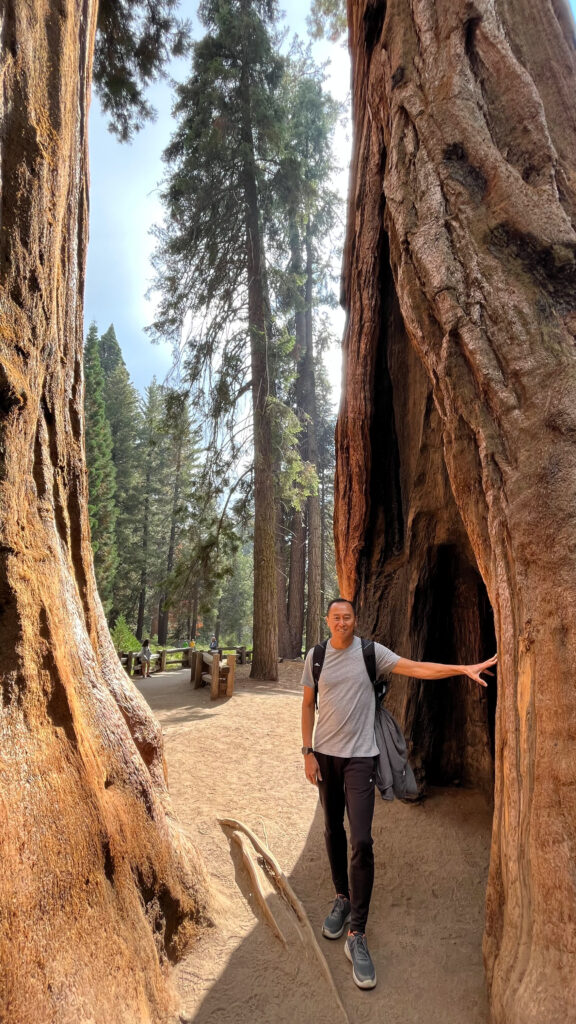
307	750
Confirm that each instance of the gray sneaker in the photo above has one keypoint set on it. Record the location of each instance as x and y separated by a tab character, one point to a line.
337	919
362	967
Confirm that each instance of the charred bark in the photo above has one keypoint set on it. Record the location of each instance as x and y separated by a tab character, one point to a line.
456	456
98	886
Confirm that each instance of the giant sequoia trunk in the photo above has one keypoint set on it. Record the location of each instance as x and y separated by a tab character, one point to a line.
456	443
98	888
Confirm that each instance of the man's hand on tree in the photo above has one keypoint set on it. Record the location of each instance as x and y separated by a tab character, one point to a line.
474	671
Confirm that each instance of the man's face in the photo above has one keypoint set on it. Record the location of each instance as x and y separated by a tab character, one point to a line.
341	621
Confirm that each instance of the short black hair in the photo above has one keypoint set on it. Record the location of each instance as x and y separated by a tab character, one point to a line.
341	600
145	643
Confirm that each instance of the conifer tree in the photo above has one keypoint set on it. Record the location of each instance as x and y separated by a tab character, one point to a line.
308	209
210	260
101	472
154	484
134	42
125	419
181	439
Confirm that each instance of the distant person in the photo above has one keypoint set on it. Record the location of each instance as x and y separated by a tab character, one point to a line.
192	645
213	644
342	760
145	658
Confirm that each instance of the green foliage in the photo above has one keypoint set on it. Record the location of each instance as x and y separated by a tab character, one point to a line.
101	473
125	418
296	478
236	602
122	636
135	41
327	19
307	210
200	260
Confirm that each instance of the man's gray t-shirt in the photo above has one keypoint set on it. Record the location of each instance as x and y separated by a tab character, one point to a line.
346	705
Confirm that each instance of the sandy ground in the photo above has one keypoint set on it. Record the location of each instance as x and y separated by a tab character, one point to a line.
240	757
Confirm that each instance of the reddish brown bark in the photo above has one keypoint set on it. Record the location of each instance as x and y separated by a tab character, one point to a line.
98	886
461	233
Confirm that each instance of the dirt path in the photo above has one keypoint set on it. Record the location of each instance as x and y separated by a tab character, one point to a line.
241	758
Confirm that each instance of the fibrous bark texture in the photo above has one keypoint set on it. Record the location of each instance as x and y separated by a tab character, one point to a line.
456	443
99	889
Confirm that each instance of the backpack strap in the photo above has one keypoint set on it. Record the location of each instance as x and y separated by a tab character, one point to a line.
380	685
317	662
369	658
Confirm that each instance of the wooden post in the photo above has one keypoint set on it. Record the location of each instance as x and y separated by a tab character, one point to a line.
215	676
163	661
129	662
231	668
198	670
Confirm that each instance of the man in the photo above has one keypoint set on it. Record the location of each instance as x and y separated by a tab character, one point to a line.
342	764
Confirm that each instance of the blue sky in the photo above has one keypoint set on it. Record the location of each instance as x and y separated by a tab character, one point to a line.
124	206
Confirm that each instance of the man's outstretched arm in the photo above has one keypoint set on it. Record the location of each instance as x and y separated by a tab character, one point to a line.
432	670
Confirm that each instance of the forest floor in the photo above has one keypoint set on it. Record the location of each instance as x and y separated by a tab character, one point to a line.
240	758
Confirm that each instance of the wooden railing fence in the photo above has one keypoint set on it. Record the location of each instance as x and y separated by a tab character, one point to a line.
180	657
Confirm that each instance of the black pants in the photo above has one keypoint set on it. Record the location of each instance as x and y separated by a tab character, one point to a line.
348	784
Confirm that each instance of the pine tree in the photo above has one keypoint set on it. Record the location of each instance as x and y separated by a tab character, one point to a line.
134	42
236	600
210	260
182	441
154	488
308	208
101	472
124	416
125	419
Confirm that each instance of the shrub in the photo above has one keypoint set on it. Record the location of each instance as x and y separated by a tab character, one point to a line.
123	637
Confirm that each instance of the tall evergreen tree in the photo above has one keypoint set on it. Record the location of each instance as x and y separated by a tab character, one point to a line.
308	209
182	441
125	418
101	472
154	488
210	260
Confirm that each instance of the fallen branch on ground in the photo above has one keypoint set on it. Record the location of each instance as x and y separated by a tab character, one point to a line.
252	869
292	899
